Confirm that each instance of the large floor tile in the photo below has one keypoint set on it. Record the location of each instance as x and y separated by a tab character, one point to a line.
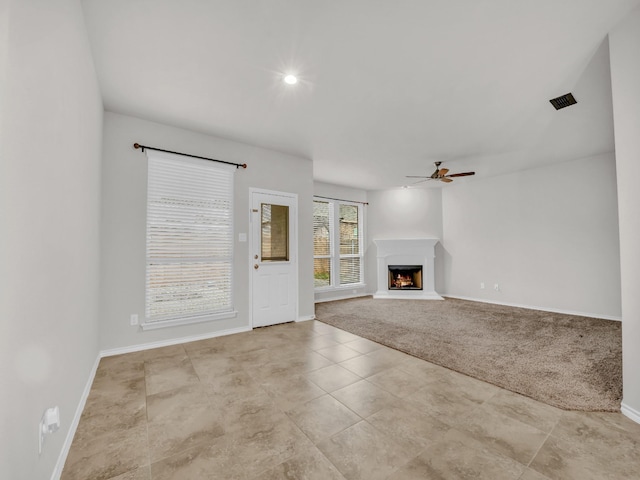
364	398
503	433
236	456
179	419
250	415
341	336
533	475
396	381
365	366
362	452
209	364
564	460
424	371
142	473
338	353
458	457
322	417
363	345
442	400
120	367
309	465
108	455
333	377
167	373
589	446
289	391
526	410
319	342
225	389
297	361
592	430
403	421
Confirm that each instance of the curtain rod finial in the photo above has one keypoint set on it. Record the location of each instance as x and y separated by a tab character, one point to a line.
136	145
244	165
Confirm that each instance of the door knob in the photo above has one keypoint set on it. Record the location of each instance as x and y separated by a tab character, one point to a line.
256	266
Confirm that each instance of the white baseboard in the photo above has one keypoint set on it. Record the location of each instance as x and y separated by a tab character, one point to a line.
543	309
66	446
342	297
629	412
306	318
174	341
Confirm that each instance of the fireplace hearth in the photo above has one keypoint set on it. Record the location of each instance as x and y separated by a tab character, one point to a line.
405	277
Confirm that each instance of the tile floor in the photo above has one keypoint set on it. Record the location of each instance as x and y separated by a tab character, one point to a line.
309	401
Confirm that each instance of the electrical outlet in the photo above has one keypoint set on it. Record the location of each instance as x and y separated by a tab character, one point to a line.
482	285
134	319
496	287
49	423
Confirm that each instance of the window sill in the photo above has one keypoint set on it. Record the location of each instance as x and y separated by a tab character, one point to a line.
187	321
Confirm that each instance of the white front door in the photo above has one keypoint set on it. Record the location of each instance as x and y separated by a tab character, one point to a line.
274	262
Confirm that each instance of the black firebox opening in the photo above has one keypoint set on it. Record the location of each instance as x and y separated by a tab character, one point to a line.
405	277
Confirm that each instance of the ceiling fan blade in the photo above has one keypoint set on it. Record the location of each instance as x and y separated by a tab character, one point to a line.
446	180
465	174
416	176
443	172
421	181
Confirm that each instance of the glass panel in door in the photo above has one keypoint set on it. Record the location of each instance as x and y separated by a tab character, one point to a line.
274	243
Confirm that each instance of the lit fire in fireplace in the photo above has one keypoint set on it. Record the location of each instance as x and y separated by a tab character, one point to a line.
405	277
403	281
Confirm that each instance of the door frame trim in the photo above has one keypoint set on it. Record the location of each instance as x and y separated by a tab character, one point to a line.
293	236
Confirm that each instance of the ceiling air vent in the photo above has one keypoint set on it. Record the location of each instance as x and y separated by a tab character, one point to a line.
563	101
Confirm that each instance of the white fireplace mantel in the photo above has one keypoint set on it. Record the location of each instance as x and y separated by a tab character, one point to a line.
408	251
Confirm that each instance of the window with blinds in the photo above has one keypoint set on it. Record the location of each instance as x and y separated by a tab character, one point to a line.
322	233
337	224
349	244
189	239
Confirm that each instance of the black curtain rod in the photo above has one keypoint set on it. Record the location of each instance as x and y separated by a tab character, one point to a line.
341	199
143	147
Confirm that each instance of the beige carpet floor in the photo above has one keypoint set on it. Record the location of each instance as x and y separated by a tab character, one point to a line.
567	361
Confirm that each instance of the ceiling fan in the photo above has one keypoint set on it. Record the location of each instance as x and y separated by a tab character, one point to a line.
441	174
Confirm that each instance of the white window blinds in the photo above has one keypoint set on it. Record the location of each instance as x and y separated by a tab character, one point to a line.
322	233
337	244
189	238
349	244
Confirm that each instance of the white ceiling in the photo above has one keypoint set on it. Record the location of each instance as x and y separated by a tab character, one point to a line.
386	87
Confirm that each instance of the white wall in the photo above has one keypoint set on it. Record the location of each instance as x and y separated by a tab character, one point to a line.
49	216
355	195
547	236
403	213
124	183
624	44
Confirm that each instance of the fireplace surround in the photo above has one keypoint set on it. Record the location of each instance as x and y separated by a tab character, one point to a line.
406	256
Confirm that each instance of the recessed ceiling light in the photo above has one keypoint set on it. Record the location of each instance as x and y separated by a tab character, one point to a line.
291	79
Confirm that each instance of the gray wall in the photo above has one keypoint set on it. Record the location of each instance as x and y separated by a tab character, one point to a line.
124	183
624	44
49	216
403	213
548	236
